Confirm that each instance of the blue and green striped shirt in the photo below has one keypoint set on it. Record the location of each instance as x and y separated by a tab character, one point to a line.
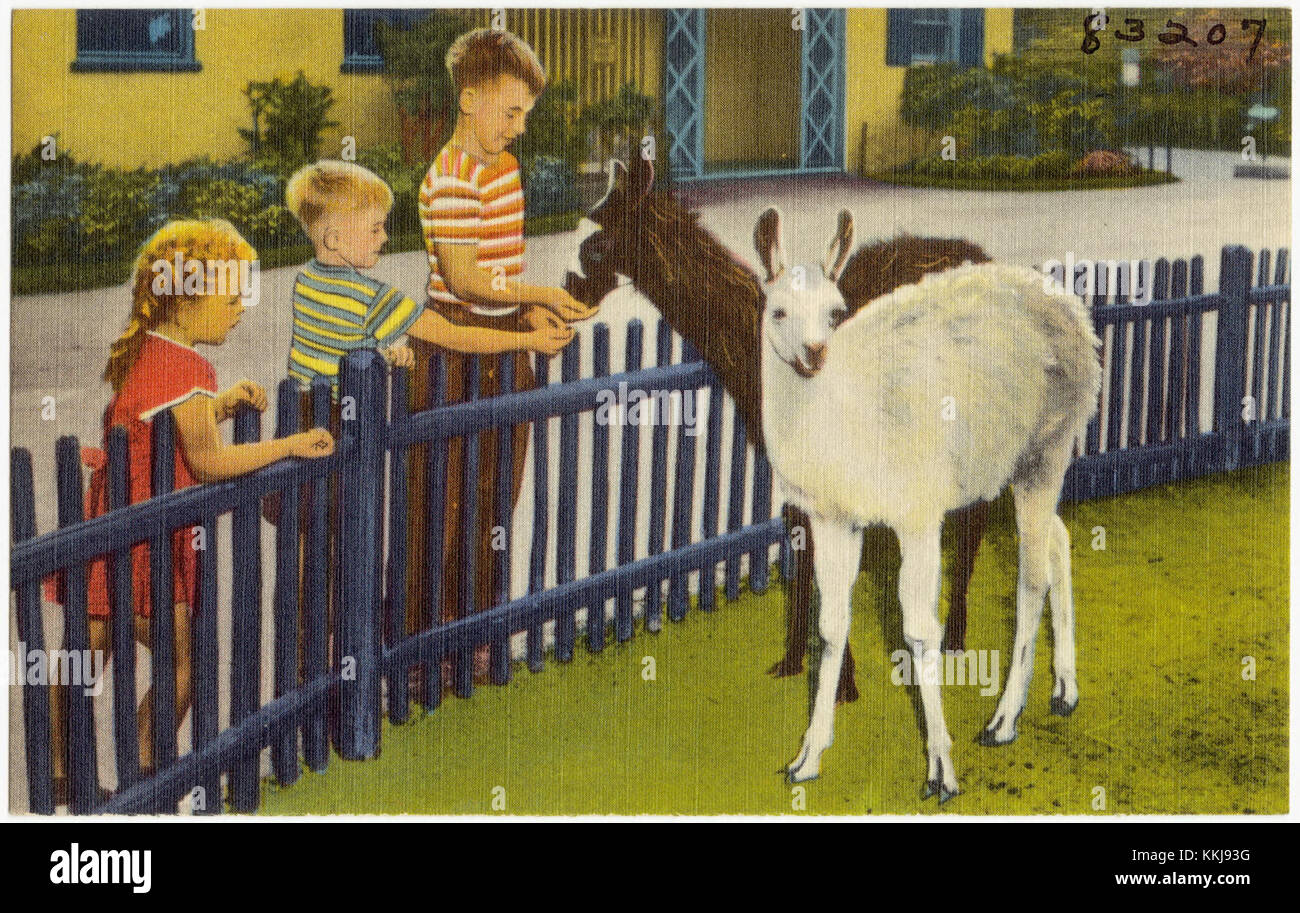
336	310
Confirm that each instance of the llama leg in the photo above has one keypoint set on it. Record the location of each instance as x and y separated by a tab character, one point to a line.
1065	690
970	532
918	593
839	549
798	600
1035	507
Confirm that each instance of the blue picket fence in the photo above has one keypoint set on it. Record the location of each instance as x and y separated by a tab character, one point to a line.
1151	430
1152	426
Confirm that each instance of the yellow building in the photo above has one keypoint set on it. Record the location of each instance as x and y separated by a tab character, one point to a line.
743	91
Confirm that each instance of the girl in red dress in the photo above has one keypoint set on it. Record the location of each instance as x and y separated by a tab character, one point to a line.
154	366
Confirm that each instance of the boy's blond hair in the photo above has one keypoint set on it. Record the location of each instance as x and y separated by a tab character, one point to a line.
331	186
485	55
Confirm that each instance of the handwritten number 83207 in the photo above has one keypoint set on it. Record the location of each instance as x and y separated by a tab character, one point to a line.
1135	30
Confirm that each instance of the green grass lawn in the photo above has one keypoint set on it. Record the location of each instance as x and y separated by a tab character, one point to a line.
1193	578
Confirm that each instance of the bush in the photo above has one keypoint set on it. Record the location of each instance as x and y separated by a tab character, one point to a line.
549	187
389	163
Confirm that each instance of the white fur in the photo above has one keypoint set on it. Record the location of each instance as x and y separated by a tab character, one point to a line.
930	398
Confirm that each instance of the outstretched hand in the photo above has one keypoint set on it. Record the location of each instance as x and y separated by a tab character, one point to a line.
567	307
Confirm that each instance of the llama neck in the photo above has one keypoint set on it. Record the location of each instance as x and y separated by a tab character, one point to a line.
714	303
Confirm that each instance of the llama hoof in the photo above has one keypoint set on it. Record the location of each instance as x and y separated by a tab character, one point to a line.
994	736
1061	707
786	667
802	773
805	767
954	645
937	788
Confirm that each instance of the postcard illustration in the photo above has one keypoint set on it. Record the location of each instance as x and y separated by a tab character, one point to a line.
782	411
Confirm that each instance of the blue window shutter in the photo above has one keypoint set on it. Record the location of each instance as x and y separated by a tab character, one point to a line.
898	38
970	38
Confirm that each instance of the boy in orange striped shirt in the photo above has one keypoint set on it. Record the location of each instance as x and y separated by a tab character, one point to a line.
472	212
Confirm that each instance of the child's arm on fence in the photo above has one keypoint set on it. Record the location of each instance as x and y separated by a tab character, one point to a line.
547	338
213	460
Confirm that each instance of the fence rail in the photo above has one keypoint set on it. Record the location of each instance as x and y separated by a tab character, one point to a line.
329	666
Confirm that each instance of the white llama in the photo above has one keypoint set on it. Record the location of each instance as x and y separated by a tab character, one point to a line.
934	396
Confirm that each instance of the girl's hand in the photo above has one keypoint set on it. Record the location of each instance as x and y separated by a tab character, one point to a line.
400	356
566	306
549	340
243	392
317	442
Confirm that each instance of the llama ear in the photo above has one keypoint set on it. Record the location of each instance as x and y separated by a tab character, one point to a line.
837	252
617	172
767	242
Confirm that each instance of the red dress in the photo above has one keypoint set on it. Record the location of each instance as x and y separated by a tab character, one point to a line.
165	374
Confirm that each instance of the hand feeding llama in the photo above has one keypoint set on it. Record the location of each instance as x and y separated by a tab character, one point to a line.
861	431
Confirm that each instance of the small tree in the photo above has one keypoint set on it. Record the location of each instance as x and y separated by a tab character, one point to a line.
288	120
416	72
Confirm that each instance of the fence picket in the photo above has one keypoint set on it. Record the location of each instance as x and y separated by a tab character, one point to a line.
204	672
469	535
31	634
436	524
1230	351
541	513
399	685
284	741
245	624
499	651
163	607
629	477
1156	375
567	509
318	575
736	500
658	485
126	733
361	540
599	493
712	483
683	502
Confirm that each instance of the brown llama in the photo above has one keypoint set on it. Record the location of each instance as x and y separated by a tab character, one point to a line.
713	300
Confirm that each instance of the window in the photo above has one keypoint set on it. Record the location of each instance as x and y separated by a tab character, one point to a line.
360	46
126	40
934	36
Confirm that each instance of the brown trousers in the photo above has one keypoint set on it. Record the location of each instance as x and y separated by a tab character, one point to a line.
420	601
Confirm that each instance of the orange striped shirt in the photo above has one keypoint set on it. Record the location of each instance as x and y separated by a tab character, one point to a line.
463	201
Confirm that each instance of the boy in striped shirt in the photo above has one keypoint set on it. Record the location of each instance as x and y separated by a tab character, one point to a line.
472	212
343	208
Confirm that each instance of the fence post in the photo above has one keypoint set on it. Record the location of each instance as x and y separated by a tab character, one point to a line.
31	638
1230	351
360	616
